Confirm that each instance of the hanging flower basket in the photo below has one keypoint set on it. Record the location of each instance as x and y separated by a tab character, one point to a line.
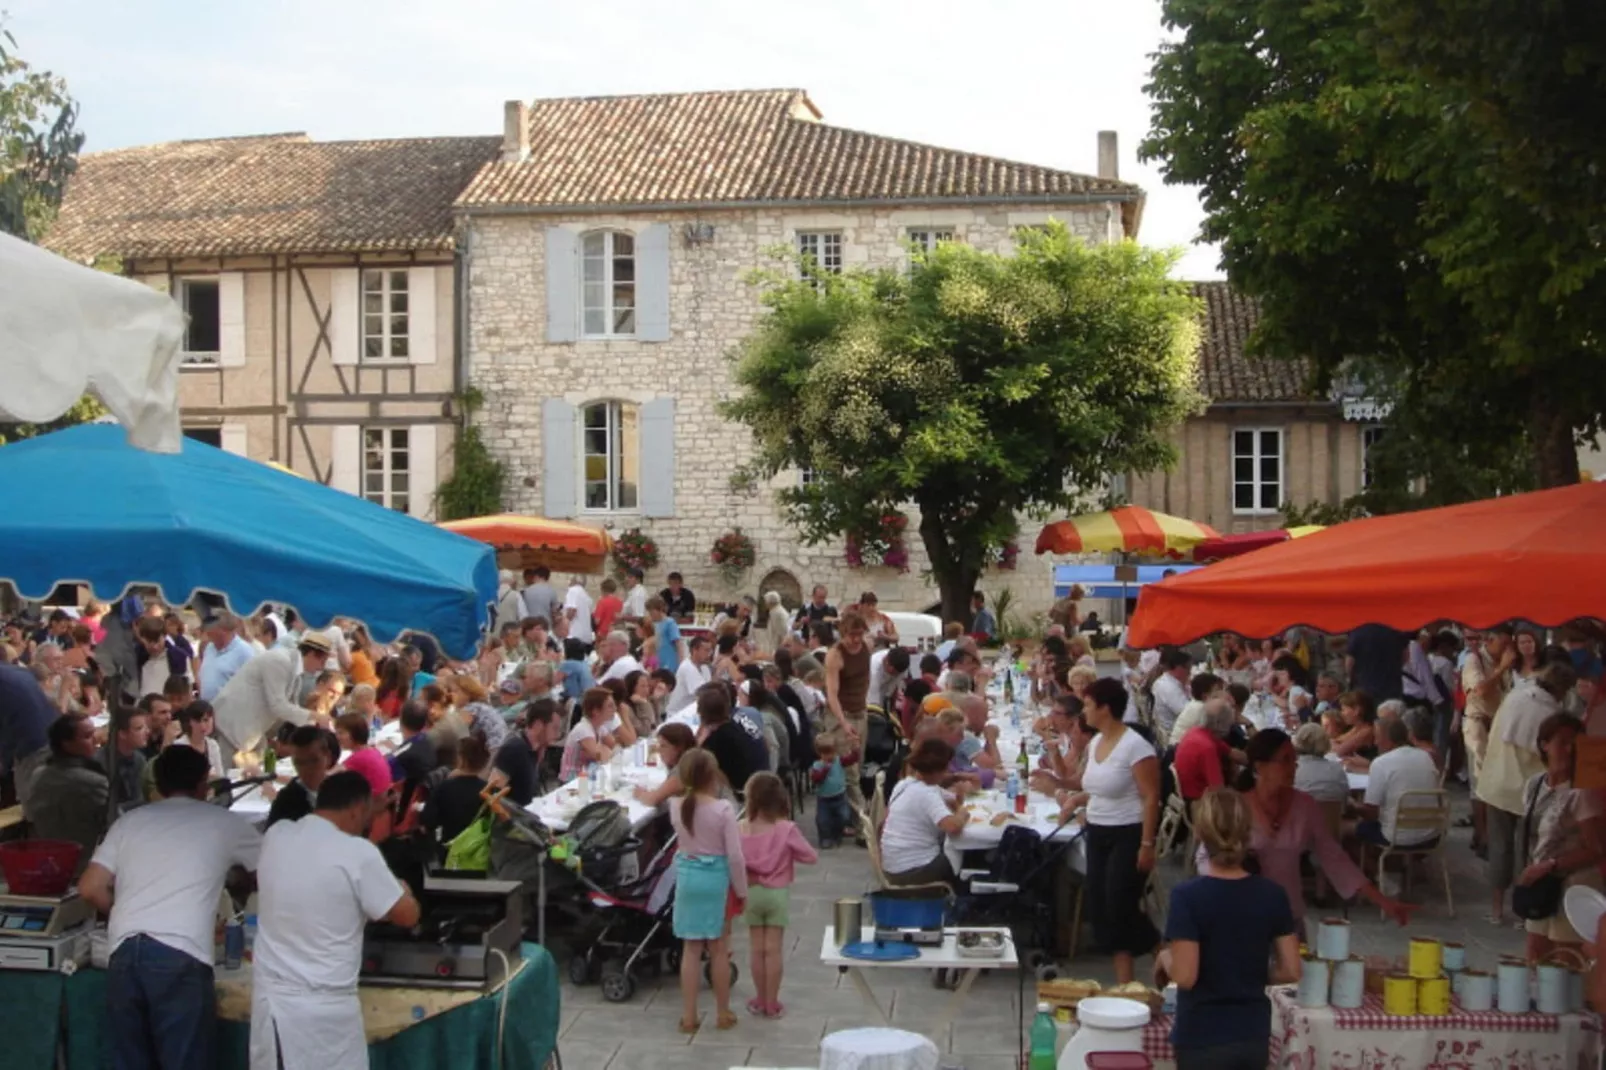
733	554
1006	556
883	545
634	549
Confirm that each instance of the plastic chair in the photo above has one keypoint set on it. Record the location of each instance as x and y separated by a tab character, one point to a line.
1422	811
872	843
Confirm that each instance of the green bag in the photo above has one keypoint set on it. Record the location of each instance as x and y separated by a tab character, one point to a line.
471	849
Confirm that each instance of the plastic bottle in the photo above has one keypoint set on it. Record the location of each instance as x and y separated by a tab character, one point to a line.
377	724
1012	790
583	782
1043	1039
270	760
233	943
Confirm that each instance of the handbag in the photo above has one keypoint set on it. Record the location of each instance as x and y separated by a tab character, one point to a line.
1542	898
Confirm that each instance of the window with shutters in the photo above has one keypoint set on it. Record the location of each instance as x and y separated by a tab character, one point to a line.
608	284
203	334
386	466
1257	470
805	477
384	314
610	455
821	250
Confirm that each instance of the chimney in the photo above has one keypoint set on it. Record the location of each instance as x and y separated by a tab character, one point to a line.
516	131
1109	155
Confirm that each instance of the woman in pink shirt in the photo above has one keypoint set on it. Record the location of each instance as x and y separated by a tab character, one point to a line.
1287	823
352	730
771	845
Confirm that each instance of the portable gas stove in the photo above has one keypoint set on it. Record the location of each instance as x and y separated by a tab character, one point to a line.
468	936
44	932
923	937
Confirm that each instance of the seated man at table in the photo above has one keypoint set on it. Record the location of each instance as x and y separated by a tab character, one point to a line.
1397	769
320	883
1203	755
314	752
158	874
521	760
69	791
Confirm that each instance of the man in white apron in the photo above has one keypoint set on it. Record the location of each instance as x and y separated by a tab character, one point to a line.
319	883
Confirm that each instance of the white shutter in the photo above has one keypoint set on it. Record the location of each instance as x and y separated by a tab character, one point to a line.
233	439
562	285
421	324
657	492
345	315
345	458
652	283
421	462
231	319
558	497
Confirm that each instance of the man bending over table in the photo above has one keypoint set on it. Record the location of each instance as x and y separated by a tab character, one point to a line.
320	882
158	875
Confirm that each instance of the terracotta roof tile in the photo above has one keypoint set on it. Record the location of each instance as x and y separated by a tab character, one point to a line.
749	146
1227	372
272	194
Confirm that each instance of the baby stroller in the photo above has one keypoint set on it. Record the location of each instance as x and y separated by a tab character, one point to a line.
591	853
637	932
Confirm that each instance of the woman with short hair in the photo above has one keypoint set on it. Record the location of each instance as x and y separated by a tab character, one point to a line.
919	814
1316	776
1563	832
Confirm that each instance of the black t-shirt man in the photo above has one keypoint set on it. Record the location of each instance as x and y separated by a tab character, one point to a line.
821	615
682	607
519	761
739	752
1378	652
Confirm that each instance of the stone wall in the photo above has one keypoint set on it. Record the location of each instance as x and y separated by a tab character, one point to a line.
712	307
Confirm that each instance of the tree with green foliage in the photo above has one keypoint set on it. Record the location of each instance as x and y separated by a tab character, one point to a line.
39	143
475	485
39	146
976	387
1354	196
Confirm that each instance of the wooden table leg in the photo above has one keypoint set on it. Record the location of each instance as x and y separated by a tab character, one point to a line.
957	999
864	990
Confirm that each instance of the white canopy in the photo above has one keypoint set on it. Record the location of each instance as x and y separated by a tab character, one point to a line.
66	328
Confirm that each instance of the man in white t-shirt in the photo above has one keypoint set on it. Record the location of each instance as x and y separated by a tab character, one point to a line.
888	669
320	882
616	663
577	607
1398	768
691	674
1171	690
158	875
635	597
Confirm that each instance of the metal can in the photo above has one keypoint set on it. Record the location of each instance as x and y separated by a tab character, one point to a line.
1433	995
1399	995
233	943
1426	958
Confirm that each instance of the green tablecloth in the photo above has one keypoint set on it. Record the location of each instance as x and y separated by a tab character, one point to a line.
37	1008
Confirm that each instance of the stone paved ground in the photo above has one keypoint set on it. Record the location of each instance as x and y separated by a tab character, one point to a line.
597	1035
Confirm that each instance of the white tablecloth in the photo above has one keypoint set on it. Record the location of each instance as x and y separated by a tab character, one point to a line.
877	1049
558	807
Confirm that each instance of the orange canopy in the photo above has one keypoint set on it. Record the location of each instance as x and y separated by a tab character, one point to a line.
1538	557
534	540
1127	529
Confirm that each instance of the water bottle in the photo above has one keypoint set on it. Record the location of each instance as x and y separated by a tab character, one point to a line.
583	782
1043	1039
1013	788
375	726
233	943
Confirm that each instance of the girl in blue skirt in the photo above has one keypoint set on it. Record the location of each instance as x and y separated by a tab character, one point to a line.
710	884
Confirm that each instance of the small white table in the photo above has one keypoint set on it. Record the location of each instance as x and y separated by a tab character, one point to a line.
945	957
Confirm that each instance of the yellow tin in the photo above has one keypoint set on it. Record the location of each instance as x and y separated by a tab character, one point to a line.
1426	960
1433	995
1399	995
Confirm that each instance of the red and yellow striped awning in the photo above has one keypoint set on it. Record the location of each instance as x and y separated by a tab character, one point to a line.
1129	529
527	541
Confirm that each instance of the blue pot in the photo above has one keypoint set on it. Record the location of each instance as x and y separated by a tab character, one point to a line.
911	908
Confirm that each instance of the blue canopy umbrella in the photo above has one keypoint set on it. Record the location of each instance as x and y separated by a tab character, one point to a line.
84	506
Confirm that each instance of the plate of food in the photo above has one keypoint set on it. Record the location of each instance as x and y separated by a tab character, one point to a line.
980	943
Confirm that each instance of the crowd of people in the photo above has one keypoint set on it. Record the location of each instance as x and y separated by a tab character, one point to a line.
748	711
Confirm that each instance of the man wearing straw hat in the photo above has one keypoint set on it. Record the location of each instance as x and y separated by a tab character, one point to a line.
266	692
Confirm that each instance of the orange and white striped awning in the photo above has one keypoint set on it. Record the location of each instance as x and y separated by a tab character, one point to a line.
1129	529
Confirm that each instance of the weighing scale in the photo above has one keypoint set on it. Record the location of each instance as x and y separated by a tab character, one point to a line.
44	932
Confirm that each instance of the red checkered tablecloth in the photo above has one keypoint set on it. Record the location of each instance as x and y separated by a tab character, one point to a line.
1316	1038
1157	1040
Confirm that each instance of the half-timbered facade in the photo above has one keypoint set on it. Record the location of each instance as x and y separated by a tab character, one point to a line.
320	282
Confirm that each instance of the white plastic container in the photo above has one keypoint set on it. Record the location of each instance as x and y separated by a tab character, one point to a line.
1105	1023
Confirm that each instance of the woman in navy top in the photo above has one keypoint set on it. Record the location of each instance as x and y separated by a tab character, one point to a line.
1229	935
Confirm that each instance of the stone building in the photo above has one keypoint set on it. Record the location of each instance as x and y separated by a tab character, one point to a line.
319	280
607	253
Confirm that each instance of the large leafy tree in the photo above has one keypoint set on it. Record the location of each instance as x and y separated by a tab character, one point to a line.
39	144
976	387
1359	200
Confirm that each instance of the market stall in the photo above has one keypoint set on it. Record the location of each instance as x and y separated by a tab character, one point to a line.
523	542
408	1028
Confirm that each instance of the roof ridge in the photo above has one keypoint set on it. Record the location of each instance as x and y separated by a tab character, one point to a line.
823	125
769	90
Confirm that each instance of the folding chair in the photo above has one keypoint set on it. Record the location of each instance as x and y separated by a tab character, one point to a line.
1422	811
872	843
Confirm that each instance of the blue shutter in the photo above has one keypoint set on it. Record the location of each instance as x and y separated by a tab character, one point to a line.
558	496
658	457
562	285
652	283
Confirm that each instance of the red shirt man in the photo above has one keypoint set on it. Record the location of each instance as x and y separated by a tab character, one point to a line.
1201	758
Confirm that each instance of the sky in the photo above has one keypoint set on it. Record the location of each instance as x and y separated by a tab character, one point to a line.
1030	80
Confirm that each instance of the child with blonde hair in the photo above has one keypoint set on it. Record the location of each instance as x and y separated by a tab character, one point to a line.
772	845
709	867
